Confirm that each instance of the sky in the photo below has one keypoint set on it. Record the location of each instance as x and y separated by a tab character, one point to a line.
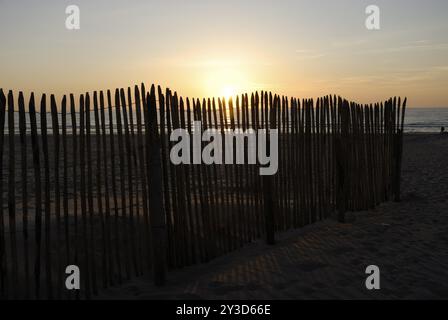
201	48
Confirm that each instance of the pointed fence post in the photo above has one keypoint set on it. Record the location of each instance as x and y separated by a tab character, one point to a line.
268	180
399	153
156	211
341	162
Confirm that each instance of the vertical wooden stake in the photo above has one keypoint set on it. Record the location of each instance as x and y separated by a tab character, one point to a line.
156	211
3	273
267	182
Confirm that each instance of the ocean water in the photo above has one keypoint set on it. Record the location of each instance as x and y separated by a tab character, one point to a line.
426	120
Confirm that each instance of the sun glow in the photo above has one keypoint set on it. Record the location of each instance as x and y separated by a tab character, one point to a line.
225	81
228	92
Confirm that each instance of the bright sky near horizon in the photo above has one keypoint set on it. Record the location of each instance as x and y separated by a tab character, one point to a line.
201	48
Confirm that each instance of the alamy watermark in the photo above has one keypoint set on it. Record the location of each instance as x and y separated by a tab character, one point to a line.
373	18
73	19
72	282
188	149
373	280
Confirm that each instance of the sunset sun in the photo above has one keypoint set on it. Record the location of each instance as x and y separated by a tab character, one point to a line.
228	92
226	81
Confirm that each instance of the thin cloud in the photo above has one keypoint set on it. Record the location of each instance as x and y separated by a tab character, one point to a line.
304	54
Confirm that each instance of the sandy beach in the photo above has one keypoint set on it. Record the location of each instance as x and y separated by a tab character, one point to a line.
191	152
327	260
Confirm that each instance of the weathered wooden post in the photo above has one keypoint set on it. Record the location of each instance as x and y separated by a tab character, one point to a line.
267	180
399	154
340	154
157	216
269	210
340	174
3	273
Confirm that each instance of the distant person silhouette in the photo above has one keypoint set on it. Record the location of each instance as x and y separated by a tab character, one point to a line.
442	130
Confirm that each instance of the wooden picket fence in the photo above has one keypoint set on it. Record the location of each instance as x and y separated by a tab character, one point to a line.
89	182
